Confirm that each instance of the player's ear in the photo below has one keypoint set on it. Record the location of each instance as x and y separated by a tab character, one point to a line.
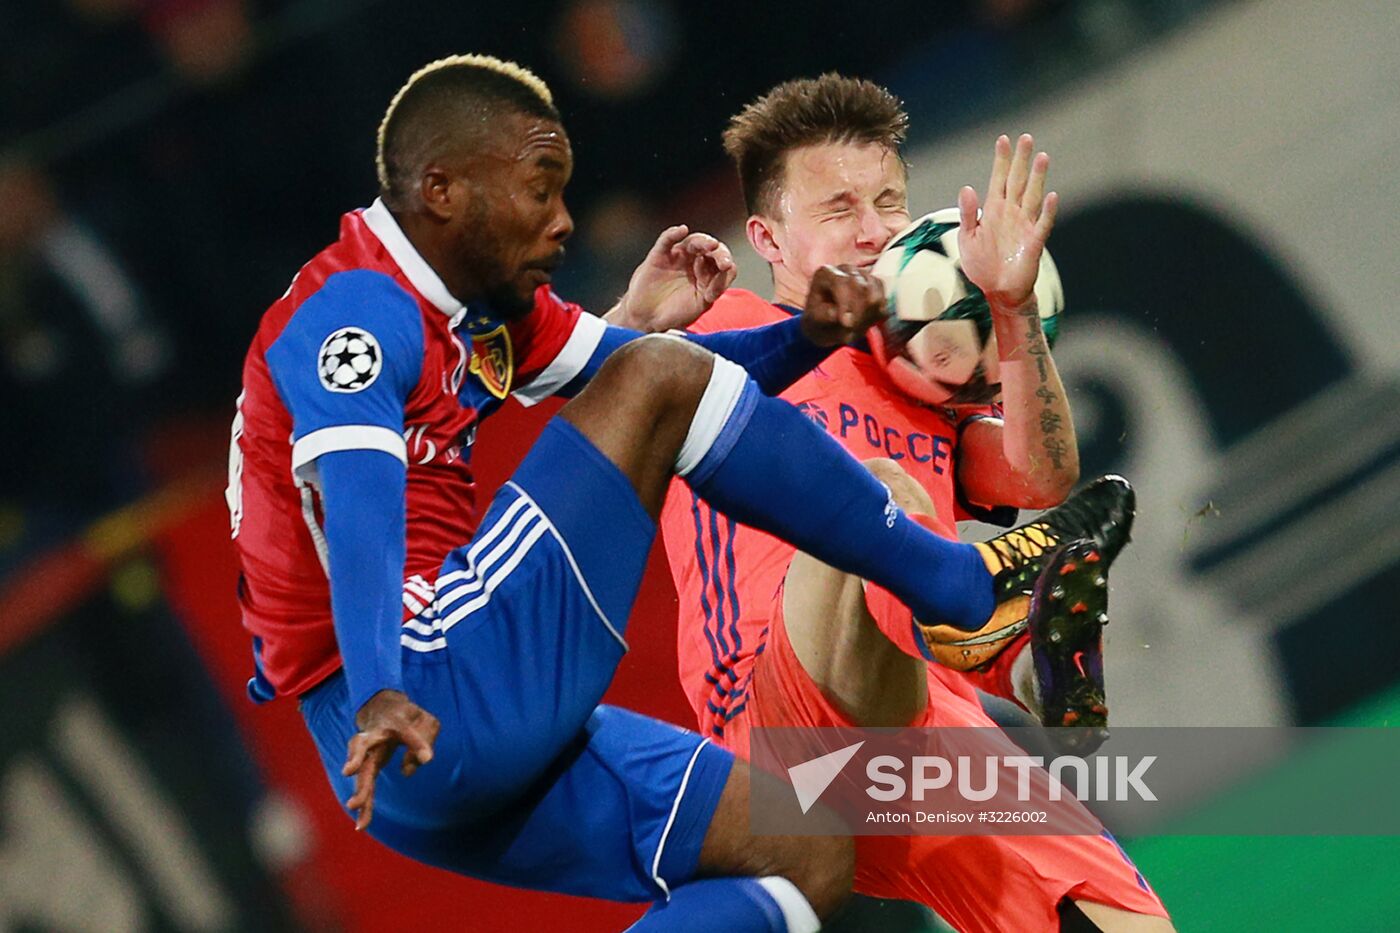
762	237
440	195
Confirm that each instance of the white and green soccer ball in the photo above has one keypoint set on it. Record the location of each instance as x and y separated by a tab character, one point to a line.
937	345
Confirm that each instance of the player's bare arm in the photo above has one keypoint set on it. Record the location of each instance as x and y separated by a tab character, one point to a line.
1032	460
677	282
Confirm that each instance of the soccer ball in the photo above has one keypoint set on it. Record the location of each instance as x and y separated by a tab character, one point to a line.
937	345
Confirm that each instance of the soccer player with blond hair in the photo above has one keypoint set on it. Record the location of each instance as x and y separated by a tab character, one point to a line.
449	660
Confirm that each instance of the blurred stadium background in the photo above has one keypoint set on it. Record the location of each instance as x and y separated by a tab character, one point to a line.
1228	248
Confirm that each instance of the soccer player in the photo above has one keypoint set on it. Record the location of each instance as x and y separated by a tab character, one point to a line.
820	167
449	663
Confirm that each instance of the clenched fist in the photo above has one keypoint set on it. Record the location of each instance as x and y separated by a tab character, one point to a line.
843	302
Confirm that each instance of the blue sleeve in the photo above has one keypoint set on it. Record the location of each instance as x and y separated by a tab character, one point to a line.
362	495
344	367
775	355
345	364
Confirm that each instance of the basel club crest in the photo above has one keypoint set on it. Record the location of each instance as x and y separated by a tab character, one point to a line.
493	361
350	360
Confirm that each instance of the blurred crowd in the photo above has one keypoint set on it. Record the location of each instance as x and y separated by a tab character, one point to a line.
165	166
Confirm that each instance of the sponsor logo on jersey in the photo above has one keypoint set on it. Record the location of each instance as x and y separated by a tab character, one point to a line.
887	440
891	510
816	413
493	361
423	449
349	360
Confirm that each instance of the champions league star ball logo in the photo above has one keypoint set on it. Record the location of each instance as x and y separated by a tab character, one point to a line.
349	360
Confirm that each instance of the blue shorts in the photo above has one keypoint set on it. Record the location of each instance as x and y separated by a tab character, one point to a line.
532	783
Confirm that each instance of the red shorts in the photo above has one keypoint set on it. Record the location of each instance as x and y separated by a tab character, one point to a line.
976	883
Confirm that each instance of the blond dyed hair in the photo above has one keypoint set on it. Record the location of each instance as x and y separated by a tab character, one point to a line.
515	86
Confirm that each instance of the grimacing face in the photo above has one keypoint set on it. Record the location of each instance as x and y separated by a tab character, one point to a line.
512	238
838	203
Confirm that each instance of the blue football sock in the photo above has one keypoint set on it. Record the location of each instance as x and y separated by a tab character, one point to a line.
763	463
735	905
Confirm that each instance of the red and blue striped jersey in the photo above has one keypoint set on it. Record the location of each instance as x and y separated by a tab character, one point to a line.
368	350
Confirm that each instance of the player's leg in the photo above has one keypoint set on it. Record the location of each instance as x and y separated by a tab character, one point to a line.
522	638
648	811
638	810
533	616
862	646
869	666
1044	645
1009	882
533	786
662	406
820	866
798	881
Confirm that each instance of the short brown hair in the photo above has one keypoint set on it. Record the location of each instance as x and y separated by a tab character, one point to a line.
807	112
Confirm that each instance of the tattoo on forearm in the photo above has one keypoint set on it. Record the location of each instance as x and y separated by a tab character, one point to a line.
1050	420
1056	449
1035	346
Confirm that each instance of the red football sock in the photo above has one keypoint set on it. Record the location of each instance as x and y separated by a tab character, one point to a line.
892	617
996	677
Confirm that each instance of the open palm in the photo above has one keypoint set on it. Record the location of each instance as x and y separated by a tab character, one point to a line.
1000	250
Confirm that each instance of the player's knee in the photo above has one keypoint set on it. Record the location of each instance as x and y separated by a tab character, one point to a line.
826	872
822	868
908	494
667	370
884	469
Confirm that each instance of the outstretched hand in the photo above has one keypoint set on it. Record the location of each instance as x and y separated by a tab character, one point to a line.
843	302
682	275
1000	251
387	720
